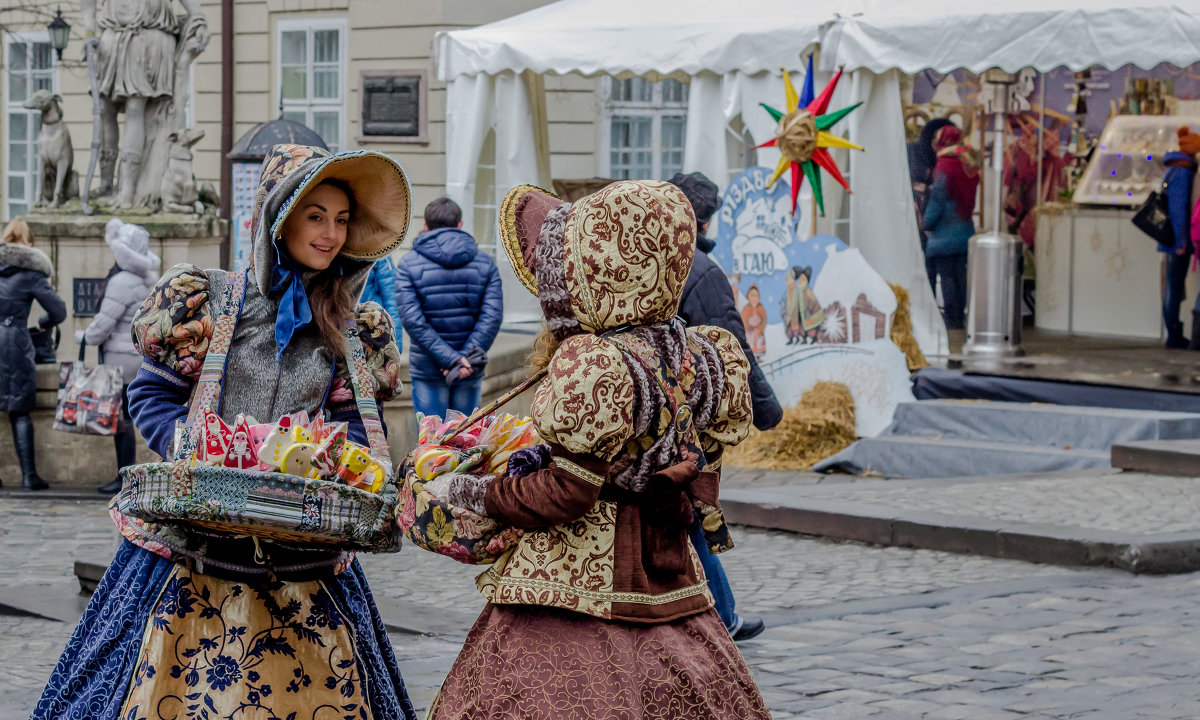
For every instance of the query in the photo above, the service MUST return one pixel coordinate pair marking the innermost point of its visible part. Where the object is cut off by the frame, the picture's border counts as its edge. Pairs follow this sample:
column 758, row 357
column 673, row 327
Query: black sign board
column 87, row 293
column 392, row 105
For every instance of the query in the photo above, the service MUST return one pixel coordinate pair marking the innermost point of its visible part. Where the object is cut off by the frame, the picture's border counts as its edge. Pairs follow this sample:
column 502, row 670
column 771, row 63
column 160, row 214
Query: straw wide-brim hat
column 382, row 200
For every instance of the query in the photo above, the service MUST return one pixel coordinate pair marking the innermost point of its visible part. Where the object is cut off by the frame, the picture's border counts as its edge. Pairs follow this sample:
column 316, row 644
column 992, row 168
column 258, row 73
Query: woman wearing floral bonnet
column 187, row 619
column 601, row 610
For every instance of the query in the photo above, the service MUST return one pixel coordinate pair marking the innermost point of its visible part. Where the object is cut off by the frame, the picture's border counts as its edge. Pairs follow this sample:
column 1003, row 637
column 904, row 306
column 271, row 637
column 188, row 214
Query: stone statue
column 57, row 181
column 142, row 55
column 179, row 193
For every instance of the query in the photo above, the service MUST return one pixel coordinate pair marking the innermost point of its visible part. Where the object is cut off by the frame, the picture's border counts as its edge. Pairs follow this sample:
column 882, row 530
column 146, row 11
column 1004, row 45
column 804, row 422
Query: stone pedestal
column 75, row 244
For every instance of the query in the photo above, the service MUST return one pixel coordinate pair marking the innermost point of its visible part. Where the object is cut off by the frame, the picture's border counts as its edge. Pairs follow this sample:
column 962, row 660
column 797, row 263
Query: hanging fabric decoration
column 802, row 136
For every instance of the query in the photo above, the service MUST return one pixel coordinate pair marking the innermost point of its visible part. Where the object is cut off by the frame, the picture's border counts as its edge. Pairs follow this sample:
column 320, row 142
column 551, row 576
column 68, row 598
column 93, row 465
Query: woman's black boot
column 126, row 445
column 22, row 432
column 1195, row 343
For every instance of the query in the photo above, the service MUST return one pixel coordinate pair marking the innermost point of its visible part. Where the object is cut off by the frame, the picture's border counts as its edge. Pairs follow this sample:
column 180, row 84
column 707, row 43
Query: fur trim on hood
column 25, row 258
column 130, row 245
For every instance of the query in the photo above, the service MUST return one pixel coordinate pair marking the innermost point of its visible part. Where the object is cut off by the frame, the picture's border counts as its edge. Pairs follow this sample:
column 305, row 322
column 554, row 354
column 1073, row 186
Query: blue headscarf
column 294, row 311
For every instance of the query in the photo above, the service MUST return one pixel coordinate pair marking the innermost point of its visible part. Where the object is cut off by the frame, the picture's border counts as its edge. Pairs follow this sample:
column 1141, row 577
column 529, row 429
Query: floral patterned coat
column 174, row 326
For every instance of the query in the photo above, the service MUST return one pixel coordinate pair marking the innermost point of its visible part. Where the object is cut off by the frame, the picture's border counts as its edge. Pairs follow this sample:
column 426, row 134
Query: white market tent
column 733, row 53
column 915, row 35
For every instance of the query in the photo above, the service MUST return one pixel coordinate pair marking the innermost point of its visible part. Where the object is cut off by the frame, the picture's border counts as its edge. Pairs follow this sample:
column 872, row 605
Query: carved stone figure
column 141, row 55
column 179, row 192
column 58, row 181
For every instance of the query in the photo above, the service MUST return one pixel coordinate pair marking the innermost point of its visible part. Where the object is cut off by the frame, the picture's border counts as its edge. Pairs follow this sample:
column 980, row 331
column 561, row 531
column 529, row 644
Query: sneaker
column 747, row 629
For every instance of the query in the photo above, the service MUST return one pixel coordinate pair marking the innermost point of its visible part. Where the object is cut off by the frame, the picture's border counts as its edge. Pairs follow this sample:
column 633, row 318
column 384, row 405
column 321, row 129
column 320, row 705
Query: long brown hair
column 330, row 294
column 543, row 350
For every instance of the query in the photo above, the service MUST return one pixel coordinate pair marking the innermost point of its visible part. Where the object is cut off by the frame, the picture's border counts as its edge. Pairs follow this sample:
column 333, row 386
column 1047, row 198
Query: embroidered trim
column 509, row 237
column 580, row 472
column 604, row 595
column 327, row 161
column 164, row 374
column 588, row 298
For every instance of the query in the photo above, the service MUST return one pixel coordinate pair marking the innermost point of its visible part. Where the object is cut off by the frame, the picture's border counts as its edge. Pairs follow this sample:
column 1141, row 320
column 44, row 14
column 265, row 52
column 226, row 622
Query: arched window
column 739, row 148
column 485, row 230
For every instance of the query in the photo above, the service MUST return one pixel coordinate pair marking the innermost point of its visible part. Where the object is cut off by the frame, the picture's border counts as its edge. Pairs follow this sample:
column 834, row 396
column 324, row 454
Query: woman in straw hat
column 601, row 610
column 190, row 623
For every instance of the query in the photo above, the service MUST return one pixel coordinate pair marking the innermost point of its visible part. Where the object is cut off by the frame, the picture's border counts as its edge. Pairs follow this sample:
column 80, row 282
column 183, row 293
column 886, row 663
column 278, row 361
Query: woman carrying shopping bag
column 174, row 625
column 129, row 282
column 24, row 277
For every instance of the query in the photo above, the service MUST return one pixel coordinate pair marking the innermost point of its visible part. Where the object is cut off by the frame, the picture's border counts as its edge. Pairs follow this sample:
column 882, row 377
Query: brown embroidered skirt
column 525, row 661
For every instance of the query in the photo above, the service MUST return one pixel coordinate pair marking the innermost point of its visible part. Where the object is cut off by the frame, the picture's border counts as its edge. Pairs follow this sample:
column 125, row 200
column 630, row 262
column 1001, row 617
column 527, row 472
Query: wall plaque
column 393, row 106
column 86, row 294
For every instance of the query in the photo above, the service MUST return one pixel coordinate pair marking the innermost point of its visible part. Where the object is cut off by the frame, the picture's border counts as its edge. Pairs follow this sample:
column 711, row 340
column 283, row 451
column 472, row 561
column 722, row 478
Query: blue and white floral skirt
column 160, row 641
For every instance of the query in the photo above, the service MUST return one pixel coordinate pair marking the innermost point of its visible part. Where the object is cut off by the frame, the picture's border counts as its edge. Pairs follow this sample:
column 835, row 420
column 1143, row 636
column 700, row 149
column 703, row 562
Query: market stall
column 1096, row 273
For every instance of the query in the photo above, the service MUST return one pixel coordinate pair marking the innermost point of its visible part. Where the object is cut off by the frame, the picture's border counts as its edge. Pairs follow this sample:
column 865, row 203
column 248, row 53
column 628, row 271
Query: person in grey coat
column 129, row 283
column 24, row 277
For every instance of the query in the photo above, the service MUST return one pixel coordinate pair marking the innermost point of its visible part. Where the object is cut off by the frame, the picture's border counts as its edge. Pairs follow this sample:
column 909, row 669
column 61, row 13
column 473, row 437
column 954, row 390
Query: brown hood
column 625, row 251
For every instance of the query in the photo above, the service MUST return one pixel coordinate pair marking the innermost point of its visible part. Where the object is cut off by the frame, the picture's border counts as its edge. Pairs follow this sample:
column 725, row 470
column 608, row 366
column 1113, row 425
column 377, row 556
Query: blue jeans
column 718, row 584
column 953, row 271
column 1177, row 268
column 435, row 397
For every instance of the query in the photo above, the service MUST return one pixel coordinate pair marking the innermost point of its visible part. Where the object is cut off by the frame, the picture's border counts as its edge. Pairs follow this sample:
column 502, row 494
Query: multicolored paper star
column 802, row 136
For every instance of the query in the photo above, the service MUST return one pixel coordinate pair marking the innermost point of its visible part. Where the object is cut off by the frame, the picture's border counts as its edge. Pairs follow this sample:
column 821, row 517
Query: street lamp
column 60, row 33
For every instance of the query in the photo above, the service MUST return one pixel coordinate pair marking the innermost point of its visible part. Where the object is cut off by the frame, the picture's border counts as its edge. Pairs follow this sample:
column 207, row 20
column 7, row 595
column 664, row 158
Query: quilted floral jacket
column 602, row 537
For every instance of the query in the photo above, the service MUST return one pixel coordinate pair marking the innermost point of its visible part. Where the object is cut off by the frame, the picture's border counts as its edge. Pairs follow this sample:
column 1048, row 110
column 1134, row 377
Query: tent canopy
column 916, row 35
column 636, row 37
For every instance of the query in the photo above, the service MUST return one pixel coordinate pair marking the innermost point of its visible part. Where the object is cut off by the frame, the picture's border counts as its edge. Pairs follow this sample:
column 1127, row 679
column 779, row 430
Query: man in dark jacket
column 708, row 300
column 1179, row 182
column 451, row 305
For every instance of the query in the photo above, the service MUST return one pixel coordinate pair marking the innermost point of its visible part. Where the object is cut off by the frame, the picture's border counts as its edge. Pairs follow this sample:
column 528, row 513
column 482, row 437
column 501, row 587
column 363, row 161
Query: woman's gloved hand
column 462, row 490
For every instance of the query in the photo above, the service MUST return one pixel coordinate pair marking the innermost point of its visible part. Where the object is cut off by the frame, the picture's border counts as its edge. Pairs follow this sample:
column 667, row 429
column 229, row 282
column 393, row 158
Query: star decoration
column 802, row 136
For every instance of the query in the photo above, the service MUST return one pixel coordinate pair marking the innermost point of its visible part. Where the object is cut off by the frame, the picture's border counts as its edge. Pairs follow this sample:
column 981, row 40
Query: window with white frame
column 311, row 57
column 644, row 126
column 29, row 67
column 486, row 229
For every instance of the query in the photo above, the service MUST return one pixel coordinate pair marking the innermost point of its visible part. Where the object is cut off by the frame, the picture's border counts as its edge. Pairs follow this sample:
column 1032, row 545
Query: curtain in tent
column 503, row 104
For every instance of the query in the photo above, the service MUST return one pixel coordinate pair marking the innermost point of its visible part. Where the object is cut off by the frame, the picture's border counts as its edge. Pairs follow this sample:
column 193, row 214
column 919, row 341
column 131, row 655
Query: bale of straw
column 820, row 426
column 902, row 333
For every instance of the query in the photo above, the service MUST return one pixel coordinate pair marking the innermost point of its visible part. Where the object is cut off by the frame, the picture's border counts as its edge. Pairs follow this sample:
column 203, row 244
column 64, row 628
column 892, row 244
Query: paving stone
column 846, row 629
column 939, row 679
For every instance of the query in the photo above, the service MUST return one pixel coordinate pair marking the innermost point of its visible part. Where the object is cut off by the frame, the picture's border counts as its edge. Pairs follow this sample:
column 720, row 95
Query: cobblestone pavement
column 1125, row 502
column 855, row 631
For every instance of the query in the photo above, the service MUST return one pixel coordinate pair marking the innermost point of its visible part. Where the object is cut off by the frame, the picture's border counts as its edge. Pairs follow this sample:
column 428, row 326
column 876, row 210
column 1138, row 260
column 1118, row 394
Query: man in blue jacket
column 381, row 288
column 451, row 305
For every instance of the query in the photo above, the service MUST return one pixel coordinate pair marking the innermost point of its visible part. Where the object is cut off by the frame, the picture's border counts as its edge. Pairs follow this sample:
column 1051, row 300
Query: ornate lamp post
column 60, row 33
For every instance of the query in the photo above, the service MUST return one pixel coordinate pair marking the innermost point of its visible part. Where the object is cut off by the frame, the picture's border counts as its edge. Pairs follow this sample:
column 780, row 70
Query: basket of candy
column 471, row 457
column 294, row 480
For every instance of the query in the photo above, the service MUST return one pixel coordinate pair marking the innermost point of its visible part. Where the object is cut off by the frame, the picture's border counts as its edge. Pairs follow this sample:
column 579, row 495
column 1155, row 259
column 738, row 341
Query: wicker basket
column 270, row 505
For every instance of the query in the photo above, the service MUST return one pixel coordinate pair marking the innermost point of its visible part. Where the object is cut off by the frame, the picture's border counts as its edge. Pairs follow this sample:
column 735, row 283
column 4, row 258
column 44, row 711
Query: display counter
column 1097, row 274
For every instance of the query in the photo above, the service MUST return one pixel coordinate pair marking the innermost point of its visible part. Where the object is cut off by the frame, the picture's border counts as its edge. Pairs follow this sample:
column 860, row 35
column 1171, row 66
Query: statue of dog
column 179, row 193
column 59, row 181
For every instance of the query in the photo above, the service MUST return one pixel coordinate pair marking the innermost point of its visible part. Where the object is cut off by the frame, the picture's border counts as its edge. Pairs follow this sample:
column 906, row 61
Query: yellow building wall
column 382, row 35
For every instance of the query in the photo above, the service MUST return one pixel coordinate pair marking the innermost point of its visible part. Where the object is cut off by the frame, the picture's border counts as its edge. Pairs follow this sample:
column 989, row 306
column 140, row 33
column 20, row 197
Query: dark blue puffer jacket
column 1181, row 173
column 450, row 299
